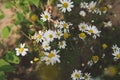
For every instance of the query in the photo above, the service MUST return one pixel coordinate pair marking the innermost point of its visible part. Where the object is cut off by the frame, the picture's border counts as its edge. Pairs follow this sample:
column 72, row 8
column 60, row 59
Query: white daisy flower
column 62, row 44
column 87, row 76
column 51, row 58
column 116, row 55
column 90, row 63
column 92, row 6
column 45, row 45
column 84, row 5
column 39, row 36
column 97, row 11
column 82, row 26
column 107, row 24
column 115, row 48
column 45, row 16
column 82, row 13
column 21, row 51
column 93, row 30
column 49, row 35
column 59, row 33
column 65, row 5
column 76, row 75
column 58, row 24
column 65, row 25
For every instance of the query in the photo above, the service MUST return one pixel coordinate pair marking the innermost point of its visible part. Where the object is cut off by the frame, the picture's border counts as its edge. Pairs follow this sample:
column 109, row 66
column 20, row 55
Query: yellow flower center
column 112, row 70
column 65, row 25
column 115, row 49
column 35, row 59
column 65, row 4
column 61, row 43
column 34, row 17
column 118, row 55
column 46, row 16
column 86, row 77
column 93, row 8
column 66, row 35
column 40, row 36
column 95, row 58
column 21, row 50
column 82, row 35
column 51, row 55
column 83, row 27
column 46, row 46
column 104, row 46
column 58, row 33
column 50, row 36
column 90, row 31
column 76, row 75
column 104, row 9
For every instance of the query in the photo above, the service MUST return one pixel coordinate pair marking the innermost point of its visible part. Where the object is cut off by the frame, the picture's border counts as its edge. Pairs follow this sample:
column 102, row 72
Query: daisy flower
column 82, row 26
column 107, row 24
column 84, row 5
column 91, row 6
column 45, row 16
column 115, row 48
column 76, row 75
column 82, row 36
column 57, row 24
column 51, row 57
column 95, row 59
column 87, row 76
column 59, row 34
column 65, row 5
column 93, row 30
column 62, row 44
column 21, row 51
column 82, row 13
column 39, row 36
column 45, row 45
column 116, row 55
column 49, row 35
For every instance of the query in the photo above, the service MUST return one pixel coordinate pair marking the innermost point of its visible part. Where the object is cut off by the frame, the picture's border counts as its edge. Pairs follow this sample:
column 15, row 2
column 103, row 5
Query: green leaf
column 6, row 31
column 5, row 66
column 2, row 75
column 35, row 2
column 12, row 58
column 8, row 5
column 20, row 18
column 41, row 22
column 2, row 14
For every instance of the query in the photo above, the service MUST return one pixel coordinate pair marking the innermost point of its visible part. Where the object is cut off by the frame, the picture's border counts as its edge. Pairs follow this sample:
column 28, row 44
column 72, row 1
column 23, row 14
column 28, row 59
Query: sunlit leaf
column 2, row 14
column 12, row 58
column 6, row 31
column 5, row 66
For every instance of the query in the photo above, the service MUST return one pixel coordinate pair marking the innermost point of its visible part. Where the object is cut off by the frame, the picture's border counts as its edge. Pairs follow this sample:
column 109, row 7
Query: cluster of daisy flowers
column 78, row 75
column 116, row 52
column 88, row 29
column 47, row 37
column 60, row 32
column 92, row 8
